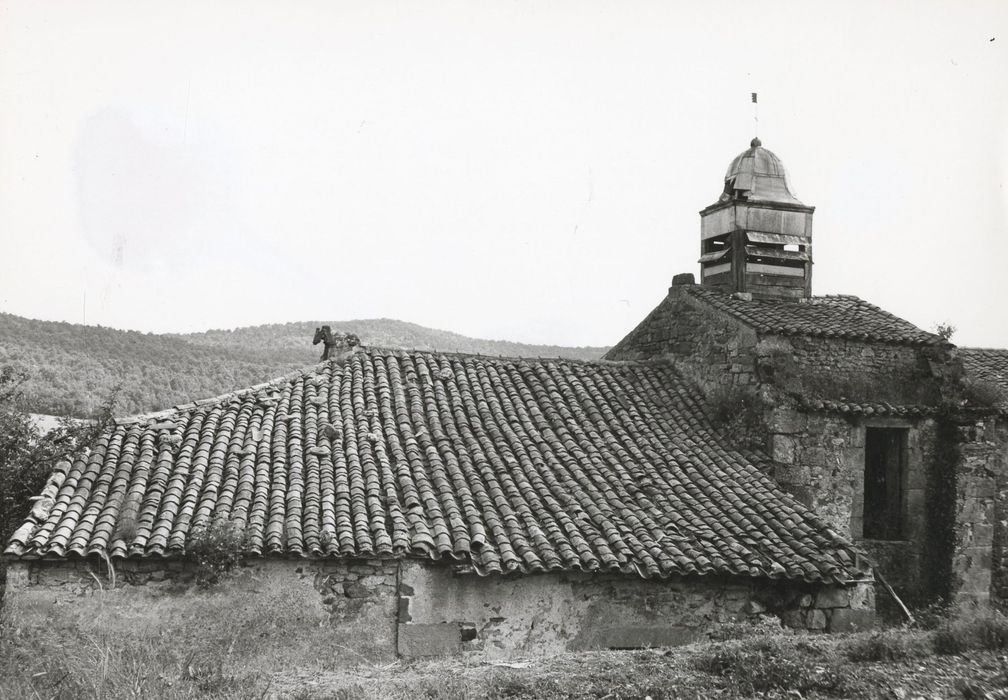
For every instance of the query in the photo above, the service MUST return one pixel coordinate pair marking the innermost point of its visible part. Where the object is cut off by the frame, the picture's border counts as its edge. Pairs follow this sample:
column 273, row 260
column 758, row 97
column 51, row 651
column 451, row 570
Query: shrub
column 777, row 365
column 738, row 413
column 932, row 616
column 216, row 549
column 888, row 645
column 981, row 394
column 760, row 626
column 768, row 665
column 976, row 628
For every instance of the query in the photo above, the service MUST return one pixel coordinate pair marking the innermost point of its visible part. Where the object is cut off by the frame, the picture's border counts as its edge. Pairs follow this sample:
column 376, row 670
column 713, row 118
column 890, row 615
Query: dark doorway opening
column 885, row 467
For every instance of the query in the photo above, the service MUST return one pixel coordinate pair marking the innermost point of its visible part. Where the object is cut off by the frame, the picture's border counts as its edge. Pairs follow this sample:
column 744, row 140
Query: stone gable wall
column 709, row 346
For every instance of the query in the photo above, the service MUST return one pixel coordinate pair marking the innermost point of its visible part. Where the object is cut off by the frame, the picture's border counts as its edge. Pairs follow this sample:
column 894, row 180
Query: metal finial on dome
column 755, row 143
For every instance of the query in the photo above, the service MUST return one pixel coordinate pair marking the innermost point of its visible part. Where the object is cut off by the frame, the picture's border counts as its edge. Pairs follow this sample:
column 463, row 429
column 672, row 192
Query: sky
column 530, row 171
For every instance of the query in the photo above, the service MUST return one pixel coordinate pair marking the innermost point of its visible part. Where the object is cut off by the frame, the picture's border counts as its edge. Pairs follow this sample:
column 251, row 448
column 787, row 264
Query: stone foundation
column 343, row 612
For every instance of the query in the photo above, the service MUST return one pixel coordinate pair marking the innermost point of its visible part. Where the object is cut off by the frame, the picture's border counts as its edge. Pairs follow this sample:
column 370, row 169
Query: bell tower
column 757, row 238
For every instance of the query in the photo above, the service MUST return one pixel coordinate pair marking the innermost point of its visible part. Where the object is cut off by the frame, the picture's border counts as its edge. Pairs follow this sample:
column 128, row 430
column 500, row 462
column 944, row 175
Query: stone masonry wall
column 847, row 370
column 980, row 511
column 497, row 617
column 329, row 614
column 999, row 538
column 820, row 460
column 710, row 347
column 853, row 357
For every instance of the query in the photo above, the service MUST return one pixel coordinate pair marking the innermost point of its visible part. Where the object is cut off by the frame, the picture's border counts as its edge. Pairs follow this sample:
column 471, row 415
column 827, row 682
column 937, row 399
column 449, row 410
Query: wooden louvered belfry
column 757, row 238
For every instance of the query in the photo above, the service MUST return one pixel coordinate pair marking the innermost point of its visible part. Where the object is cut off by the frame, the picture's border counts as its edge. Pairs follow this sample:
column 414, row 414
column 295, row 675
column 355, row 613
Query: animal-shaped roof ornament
column 335, row 343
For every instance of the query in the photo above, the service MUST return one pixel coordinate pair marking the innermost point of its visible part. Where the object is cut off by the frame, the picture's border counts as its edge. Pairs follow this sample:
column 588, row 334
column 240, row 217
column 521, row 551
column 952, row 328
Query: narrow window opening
column 885, row 466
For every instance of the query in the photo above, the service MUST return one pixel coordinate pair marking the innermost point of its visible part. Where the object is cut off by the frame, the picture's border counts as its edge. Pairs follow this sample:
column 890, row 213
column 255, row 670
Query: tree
column 28, row 454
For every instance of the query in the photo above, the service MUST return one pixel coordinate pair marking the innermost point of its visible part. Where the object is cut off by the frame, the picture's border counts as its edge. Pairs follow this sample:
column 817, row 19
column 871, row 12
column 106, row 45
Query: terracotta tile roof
column 857, row 408
column 987, row 365
column 838, row 316
column 511, row 465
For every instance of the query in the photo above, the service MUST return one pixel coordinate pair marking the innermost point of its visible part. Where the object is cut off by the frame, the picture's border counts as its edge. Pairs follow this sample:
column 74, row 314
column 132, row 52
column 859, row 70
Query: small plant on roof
column 945, row 331
column 216, row 549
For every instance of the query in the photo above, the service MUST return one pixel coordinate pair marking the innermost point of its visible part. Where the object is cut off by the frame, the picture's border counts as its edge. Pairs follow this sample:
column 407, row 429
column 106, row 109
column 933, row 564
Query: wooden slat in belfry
column 716, row 269
column 762, row 268
column 778, row 253
column 755, row 282
column 716, row 255
column 778, row 238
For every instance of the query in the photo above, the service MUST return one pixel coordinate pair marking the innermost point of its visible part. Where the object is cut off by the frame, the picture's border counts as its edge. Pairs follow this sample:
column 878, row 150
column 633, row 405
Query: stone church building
column 748, row 450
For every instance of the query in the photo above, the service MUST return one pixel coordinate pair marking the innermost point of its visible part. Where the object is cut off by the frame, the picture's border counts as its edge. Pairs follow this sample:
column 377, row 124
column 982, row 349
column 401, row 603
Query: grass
column 46, row 657
column 139, row 641
column 41, row 664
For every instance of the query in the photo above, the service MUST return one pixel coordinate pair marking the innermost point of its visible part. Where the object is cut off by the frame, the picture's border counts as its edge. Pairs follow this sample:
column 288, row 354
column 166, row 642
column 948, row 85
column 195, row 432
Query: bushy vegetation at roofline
column 737, row 411
column 216, row 549
column 72, row 368
column 27, row 454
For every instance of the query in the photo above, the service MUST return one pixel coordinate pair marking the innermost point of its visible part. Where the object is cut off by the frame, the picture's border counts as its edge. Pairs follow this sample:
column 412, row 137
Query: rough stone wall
column 273, row 611
column 329, row 614
column 980, row 511
column 999, row 538
column 873, row 362
column 820, row 460
column 497, row 617
column 710, row 347
column 852, row 371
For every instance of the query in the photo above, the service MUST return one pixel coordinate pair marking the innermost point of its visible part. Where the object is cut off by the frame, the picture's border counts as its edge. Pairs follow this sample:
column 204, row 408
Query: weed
column 945, row 331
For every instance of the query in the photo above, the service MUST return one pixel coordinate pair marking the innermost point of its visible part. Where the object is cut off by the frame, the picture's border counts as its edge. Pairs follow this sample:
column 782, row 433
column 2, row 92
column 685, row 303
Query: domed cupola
column 757, row 237
column 758, row 175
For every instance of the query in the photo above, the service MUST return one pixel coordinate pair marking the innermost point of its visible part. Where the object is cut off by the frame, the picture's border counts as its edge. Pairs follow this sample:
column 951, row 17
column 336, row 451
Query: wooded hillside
column 73, row 368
